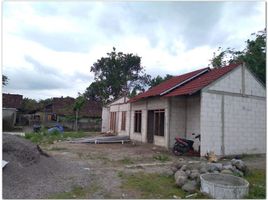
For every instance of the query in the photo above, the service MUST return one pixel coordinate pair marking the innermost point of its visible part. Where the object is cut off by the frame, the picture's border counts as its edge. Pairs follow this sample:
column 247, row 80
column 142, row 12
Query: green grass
column 152, row 186
column 126, row 161
column 161, row 157
column 44, row 137
column 76, row 193
column 257, row 188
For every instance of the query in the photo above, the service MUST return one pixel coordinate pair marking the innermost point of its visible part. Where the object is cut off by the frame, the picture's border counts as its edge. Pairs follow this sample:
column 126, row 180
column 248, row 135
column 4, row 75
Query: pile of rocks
column 187, row 174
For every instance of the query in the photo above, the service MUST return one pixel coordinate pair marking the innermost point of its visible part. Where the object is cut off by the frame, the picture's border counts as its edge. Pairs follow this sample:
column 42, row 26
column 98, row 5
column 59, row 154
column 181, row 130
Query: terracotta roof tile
column 202, row 81
column 162, row 87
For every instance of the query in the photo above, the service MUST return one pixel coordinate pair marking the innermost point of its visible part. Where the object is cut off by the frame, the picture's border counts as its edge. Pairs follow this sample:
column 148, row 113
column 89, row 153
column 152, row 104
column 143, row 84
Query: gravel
column 32, row 174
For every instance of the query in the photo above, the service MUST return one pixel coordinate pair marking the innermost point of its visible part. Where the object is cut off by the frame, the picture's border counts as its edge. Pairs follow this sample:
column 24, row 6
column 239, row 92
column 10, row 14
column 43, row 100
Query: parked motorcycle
column 183, row 146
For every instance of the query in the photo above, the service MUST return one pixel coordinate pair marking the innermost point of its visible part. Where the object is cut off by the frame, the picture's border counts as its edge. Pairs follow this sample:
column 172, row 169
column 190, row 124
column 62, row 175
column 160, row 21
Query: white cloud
column 170, row 37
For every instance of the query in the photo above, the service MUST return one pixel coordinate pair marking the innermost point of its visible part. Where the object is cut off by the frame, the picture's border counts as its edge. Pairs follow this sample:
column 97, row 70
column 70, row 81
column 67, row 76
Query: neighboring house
column 61, row 110
column 226, row 106
column 11, row 104
column 115, row 116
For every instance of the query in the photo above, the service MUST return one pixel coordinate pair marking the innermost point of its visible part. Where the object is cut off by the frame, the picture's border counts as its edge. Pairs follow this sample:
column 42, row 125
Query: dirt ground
column 104, row 162
column 96, row 171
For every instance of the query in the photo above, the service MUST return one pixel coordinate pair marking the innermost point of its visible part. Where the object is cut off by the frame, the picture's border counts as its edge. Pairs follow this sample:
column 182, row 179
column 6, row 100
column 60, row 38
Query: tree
column 254, row 55
column 78, row 104
column 157, row 80
column 116, row 75
column 4, row 80
column 29, row 105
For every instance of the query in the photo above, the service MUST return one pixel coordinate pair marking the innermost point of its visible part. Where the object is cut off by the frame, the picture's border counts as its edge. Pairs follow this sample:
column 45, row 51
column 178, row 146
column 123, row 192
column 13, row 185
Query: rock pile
column 187, row 174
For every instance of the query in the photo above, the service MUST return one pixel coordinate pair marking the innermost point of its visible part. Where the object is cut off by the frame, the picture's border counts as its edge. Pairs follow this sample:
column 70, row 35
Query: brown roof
column 12, row 100
column 186, row 84
column 64, row 106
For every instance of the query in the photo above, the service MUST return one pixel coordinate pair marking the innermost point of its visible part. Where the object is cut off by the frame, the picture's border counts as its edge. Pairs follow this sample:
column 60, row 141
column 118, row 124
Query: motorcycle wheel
column 180, row 150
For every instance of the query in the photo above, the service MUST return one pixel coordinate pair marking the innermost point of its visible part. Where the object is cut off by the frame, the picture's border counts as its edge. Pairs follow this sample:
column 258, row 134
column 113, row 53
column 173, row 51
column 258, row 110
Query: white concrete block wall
column 210, row 123
column 193, row 119
column 230, row 83
column 177, row 119
column 105, row 124
column 252, row 86
column 245, row 129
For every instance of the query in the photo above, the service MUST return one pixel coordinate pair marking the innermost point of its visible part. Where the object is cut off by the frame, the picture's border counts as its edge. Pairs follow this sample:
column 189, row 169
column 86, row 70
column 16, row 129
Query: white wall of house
column 233, row 116
column 105, row 119
column 144, row 106
column 177, row 119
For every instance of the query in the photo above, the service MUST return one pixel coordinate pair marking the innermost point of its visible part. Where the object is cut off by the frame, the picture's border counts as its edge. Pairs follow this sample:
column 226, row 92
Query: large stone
column 183, row 168
column 239, row 164
column 214, row 167
column 203, row 170
column 238, row 172
column 180, row 178
column 188, row 172
column 194, row 174
column 228, row 166
column 190, row 186
column 226, row 171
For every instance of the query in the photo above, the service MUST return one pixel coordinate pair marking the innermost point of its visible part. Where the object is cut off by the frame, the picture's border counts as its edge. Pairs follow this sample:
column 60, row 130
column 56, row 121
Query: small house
column 226, row 106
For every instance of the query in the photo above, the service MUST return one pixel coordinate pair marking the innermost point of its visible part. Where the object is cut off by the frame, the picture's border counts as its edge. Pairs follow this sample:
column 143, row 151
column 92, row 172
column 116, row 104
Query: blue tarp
column 58, row 128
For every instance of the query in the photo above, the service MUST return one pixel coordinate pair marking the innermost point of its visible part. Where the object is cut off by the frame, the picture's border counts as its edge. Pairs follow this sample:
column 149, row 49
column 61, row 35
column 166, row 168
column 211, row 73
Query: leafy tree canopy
column 254, row 55
column 157, row 80
column 4, row 80
column 116, row 75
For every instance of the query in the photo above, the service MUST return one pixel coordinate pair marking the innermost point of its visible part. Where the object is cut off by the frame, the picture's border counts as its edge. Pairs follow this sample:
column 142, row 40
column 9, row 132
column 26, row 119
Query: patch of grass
column 76, row 193
column 57, row 149
column 151, row 185
column 257, row 187
column 43, row 137
column 126, row 161
column 161, row 157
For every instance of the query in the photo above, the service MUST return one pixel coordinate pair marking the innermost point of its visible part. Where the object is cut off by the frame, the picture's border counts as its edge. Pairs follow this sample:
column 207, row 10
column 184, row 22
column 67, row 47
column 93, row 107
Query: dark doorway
column 155, row 124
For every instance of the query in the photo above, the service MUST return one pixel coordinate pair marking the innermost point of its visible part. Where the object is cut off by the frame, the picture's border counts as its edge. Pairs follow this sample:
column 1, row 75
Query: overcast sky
column 48, row 47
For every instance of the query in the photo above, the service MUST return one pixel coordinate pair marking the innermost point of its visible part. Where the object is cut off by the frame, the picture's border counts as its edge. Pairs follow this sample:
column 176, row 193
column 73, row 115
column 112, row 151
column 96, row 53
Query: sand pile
column 31, row 173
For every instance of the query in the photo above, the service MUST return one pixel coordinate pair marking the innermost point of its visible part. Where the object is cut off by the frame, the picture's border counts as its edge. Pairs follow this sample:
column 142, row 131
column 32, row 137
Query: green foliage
column 4, row 80
column 257, row 187
column 126, row 161
column 116, row 75
column 29, row 105
column 44, row 137
column 79, row 102
column 161, row 157
column 76, row 193
column 157, row 80
column 254, row 55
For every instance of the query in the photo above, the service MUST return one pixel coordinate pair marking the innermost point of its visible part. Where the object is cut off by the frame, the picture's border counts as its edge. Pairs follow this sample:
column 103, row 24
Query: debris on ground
column 57, row 128
column 102, row 140
column 211, row 157
column 187, row 174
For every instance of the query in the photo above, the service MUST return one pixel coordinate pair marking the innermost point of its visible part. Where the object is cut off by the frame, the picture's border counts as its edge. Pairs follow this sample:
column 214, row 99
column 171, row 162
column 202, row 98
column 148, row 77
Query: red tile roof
column 168, row 84
column 202, row 81
column 187, row 83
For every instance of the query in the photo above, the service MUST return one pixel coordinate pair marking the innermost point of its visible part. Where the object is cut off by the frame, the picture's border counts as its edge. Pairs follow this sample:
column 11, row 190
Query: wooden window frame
column 112, row 121
column 137, row 121
column 123, row 120
column 159, row 129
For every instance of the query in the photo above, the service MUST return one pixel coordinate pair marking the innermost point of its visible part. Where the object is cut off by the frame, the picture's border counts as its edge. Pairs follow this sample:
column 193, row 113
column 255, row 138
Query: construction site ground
column 131, row 170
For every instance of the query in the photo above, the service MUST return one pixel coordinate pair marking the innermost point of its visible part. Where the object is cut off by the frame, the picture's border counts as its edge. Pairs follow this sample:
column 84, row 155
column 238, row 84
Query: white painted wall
column 242, row 124
column 193, row 119
column 229, row 83
column 253, row 87
column 105, row 119
column 177, row 119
